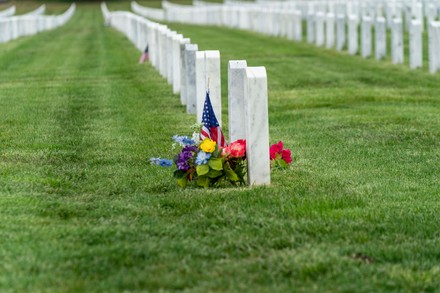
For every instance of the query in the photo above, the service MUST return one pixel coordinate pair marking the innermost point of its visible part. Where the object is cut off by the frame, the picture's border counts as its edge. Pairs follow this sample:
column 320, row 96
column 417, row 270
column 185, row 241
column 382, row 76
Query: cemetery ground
column 81, row 210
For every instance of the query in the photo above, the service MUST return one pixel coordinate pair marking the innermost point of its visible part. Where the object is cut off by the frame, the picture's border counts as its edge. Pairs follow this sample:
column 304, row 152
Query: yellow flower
column 208, row 145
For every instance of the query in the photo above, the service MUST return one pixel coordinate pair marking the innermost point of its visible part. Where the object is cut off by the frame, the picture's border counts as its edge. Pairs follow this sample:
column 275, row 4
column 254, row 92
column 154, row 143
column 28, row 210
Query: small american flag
column 144, row 56
column 211, row 129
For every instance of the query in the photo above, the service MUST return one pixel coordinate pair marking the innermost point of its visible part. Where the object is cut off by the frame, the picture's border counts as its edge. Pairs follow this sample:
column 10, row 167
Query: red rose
column 238, row 148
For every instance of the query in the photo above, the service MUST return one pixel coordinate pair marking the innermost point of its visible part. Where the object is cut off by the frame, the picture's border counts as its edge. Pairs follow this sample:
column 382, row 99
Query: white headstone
column 330, row 31
column 163, row 51
column 380, row 30
column 397, row 41
column 289, row 22
column 191, row 94
column 201, row 83
column 310, row 27
column 177, row 61
column 177, row 39
column 236, row 111
column 434, row 46
column 213, row 74
column 319, row 26
column 183, row 71
column 297, row 28
column 340, row 32
column 415, row 44
column 366, row 37
column 257, row 126
column 417, row 12
column 208, row 70
column 431, row 13
column 169, row 39
column 353, row 35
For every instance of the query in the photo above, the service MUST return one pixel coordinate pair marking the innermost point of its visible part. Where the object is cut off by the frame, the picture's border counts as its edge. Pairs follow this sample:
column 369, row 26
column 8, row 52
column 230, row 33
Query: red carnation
column 277, row 153
column 276, row 149
column 287, row 156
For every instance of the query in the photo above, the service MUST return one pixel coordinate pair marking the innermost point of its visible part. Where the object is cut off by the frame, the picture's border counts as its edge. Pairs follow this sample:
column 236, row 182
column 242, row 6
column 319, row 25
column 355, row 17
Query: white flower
column 196, row 138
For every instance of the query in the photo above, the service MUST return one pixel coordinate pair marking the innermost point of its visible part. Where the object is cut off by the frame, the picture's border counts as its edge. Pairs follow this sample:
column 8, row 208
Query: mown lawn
column 82, row 211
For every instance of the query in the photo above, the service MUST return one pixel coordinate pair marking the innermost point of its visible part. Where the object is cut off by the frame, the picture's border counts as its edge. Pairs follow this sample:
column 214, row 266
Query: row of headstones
column 153, row 13
column 11, row 11
column 276, row 21
column 30, row 24
column 189, row 71
column 245, row 16
column 324, row 29
column 8, row 12
column 409, row 9
column 321, row 31
column 251, row 17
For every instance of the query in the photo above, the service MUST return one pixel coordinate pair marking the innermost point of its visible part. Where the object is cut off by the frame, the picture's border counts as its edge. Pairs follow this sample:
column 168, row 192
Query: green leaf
column 182, row 182
column 203, row 181
column 214, row 173
column 216, row 164
column 179, row 174
column 282, row 163
column 230, row 173
column 202, row 170
column 240, row 170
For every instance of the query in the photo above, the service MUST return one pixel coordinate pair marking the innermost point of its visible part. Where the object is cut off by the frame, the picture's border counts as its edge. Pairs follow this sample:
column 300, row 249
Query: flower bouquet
column 205, row 163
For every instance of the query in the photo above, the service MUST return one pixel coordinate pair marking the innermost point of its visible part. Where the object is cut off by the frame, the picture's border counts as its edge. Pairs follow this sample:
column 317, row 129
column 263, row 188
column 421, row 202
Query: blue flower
column 183, row 140
column 202, row 158
column 165, row 163
column 161, row 162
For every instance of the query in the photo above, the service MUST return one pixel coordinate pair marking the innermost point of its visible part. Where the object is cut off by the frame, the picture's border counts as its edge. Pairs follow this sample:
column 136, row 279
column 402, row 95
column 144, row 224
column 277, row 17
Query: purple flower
column 183, row 158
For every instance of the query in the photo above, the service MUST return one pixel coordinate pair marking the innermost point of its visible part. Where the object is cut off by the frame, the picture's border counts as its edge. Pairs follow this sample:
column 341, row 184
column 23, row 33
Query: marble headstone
column 353, row 35
column 297, row 27
column 201, row 83
column 208, row 74
column 177, row 62
column 310, row 27
column 415, row 44
column 163, row 63
column 340, row 32
column 183, row 71
column 380, row 30
column 170, row 57
column 236, row 113
column 319, row 26
column 366, row 42
column 434, row 46
column 191, row 94
column 257, row 126
column 397, row 41
column 330, row 31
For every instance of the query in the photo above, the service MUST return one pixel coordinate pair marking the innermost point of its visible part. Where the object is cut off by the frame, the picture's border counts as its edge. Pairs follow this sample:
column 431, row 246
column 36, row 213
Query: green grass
column 82, row 211
column 25, row 6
